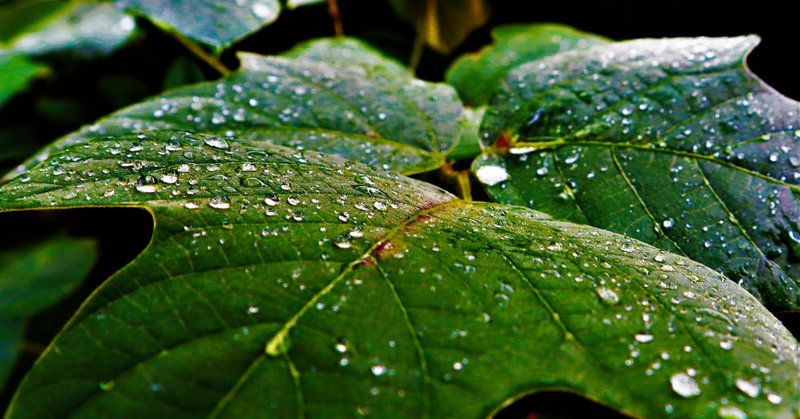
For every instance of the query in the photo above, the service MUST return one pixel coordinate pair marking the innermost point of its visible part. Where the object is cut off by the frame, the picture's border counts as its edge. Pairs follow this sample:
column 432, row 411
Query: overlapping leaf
column 33, row 277
column 281, row 283
column 672, row 142
column 16, row 72
column 368, row 111
column 217, row 23
column 476, row 76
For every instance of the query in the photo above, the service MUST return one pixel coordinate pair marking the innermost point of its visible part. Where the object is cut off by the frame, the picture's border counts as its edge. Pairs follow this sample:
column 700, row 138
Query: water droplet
column 491, row 175
column 627, row 247
column 219, row 202
column 356, row 233
column 146, row 184
column 684, row 385
column 542, row 171
column 643, row 337
column 668, row 223
column 169, row 177
column 731, row 412
column 252, row 310
column 380, row 206
column 726, row 344
column 748, row 387
column 293, row 200
column 272, row 200
column 607, row 295
column 772, row 397
column 344, row 217
column 216, row 142
column 378, row 370
column 191, row 205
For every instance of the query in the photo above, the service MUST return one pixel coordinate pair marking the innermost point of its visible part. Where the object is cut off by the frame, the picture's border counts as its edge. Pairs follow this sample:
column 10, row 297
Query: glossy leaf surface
column 281, row 283
column 673, row 142
column 367, row 111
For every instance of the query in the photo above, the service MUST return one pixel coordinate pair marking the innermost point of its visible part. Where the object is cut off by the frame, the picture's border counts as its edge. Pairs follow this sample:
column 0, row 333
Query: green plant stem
column 200, row 53
column 336, row 16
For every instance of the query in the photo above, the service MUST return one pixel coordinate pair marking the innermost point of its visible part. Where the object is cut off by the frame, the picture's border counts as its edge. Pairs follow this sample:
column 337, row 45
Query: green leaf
column 443, row 24
column 341, row 51
column 469, row 145
column 32, row 278
column 81, row 29
column 475, row 76
column 181, row 72
column 293, row 4
column 281, row 283
column 16, row 73
column 365, row 112
column 672, row 142
column 216, row 23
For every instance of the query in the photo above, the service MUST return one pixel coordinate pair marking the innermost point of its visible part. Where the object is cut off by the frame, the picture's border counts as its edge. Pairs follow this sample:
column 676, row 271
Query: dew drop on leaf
column 684, row 385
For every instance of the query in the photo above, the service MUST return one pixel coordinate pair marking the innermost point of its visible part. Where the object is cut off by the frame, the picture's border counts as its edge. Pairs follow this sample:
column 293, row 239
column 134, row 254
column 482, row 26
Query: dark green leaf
column 281, row 283
column 82, row 29
column 181, row 72
column 469, row 145
column 672, row 142
column 216, row 23
column 443, row 24
column 475, row 76
column 32, row 278
column 364, row 112
column 16, row 72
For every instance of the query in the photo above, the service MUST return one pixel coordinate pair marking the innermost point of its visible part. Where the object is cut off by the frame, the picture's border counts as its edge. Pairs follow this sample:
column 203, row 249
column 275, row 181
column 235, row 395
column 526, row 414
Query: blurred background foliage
column 64, row 64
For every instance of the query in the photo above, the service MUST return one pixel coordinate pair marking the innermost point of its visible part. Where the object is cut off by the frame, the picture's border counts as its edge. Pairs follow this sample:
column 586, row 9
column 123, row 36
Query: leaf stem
column 200, row 53
column 336, row 16
column 462, row 181
column 33, row 348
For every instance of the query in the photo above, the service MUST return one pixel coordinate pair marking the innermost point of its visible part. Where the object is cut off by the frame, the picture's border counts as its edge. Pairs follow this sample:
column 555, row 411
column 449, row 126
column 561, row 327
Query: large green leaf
column 366, row 111
column 16, row 73
column 32, row 278
column 443, row 24
column 477, row 75
column 672, row 142
column 281, row 283
column 217, row 23
column 82, row 29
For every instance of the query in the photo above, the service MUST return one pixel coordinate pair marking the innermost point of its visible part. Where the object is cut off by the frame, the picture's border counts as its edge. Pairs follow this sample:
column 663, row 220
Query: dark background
column 76, row 93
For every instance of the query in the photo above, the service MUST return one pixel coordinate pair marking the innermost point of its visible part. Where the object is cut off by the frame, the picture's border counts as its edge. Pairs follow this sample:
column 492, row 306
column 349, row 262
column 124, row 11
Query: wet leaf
column 672, row 142
column 475, row 76
column 443, row 24
column 16, row 73
column 281, row 283
column 80, row 29
column 216, row 23
column 346, row 51
column 32, row 278
column 366, row 111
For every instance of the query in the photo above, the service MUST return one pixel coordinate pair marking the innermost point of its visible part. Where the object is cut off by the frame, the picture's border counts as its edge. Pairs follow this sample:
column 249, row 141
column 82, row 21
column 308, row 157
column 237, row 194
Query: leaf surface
column 216, row 23
column 16, row 73
column 367, row 111
column 32, row 278
column 281, row 283
column 475, row 76
column 672, row 142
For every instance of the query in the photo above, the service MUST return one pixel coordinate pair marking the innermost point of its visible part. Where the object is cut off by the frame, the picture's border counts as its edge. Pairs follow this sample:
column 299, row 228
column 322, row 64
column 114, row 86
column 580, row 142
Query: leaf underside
column 443, row 24
column 281, row 283
column 672, row 142
column 369, row 110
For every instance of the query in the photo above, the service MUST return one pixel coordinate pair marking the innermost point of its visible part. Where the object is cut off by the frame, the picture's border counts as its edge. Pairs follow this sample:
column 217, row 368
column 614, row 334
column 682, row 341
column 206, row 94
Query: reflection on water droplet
column 491, row 175
column 772, row 397
column 146, row 184
column 216, row 142
column 252, row 310
column 643, row 337
column 607, row 295
column 378, row 370
column 748, row 387
column 731, row 412
column 627, row 247
column 219, row 202
column 684, row 385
